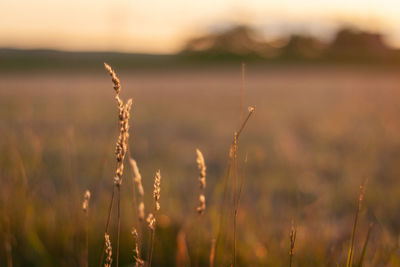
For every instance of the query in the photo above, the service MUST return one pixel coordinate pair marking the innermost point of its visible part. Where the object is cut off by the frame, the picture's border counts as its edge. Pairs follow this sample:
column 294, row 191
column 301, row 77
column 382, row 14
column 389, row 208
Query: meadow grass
column 301, row 173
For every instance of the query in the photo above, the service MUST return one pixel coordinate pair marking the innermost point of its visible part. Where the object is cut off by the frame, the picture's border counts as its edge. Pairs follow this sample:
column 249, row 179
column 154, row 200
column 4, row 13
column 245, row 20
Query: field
column 318, row 132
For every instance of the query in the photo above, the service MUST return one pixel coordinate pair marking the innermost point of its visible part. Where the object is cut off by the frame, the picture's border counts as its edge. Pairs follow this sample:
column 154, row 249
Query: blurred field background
column 327, row 118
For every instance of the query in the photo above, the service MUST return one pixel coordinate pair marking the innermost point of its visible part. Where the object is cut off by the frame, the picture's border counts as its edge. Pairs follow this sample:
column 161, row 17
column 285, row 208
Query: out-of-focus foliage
column 317, row 133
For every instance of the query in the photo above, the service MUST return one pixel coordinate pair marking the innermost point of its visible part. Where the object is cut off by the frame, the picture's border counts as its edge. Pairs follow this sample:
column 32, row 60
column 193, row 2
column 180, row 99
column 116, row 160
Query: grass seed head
column 137, row 176
column 151, row 221
column 136, row 253
column 115, row 79
column 86, row 198
column 108, row 261
column 201, row 165
column 202, row 204
column 157, row 190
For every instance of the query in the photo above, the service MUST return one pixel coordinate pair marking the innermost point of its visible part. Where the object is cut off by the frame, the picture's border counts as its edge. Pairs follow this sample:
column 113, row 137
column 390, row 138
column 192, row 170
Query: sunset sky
column 162, row 26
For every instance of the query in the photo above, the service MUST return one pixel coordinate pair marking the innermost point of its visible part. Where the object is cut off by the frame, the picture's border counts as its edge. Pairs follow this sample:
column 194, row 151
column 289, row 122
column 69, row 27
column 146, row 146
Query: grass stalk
column 119, row 220
column 350, row 255
column 110, row 208
column 227, row 176
column 151, row 219
column 364, row 249
column 242, row 95
column 120, row 152
column 235, row 169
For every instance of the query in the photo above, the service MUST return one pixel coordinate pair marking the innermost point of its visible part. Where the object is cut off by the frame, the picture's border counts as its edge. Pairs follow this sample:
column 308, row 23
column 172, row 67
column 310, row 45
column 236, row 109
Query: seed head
column 114, row 78
column 151, row 221
column 157, row 189
column 108, row 260
column 202, row 204
column 138, row 262
column 201, row 165
column 86, row 198
column 137, row 176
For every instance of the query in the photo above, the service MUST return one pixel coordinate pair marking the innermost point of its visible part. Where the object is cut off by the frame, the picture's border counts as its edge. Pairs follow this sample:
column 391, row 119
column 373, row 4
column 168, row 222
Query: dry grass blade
column 353, row 233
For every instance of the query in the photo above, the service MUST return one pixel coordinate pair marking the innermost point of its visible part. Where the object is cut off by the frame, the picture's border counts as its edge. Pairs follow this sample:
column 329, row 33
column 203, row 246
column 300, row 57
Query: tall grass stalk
column 364, row 249
column 242, row 95
column 151, row 219
column 120, row 152
column 353, row 233
column 227, row 177
column 236, row 207
column 235, row 169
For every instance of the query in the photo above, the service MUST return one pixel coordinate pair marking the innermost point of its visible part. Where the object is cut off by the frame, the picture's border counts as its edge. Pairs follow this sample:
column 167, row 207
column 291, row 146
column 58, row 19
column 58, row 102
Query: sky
column 161, row 26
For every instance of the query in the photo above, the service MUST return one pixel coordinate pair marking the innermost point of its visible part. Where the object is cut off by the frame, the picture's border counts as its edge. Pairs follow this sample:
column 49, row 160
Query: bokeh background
column 323, row 76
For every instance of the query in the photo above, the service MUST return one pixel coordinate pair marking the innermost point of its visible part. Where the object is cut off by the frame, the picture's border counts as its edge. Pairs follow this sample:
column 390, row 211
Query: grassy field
column 317, row 133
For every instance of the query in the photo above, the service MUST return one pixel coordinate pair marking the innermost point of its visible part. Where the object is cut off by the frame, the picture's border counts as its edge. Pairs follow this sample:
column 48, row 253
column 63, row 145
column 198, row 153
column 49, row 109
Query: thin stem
column 364, row 250
column 245, row 122
column 119, row 219
column 221, row 213
column 353, row 233
column 227, row 176
column 151, row 246
column 242, row 95
column 236, row 205
column 87, row 238
column 350, row 255
column 107, row 225
column 235, row 169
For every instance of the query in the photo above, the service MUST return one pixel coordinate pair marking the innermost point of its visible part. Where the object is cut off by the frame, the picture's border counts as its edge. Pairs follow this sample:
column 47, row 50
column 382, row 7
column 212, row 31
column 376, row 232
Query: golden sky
column 160, row 26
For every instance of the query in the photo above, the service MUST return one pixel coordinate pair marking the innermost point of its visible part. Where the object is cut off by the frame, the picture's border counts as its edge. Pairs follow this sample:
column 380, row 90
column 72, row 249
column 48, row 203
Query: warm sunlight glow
column 161, row 26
